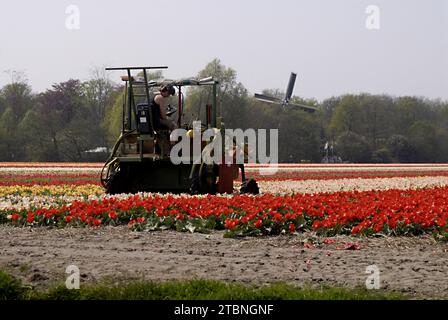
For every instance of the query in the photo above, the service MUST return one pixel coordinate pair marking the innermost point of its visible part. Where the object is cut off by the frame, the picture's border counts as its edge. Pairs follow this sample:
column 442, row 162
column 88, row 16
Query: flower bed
column 397, row 204
column 392, row 212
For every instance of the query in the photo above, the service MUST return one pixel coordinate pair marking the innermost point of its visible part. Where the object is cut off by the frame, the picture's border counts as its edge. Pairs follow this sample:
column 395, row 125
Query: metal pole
column 215, row 107
column 131, row 99
column 179, row 107
column 123, row 108
column 147, row 100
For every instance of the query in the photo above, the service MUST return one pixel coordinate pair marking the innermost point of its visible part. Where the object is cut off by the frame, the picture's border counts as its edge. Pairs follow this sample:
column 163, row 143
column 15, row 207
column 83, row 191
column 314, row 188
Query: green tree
column 353, row 147
column 401, row 149
column 15, row 99
column 100, row 93
column 17, row 95
column 298, row 137
column 113, row 120
column 324, row 115
column 38, row 144
column 347, row 116
column 232, row 96
column 8, row 147
column 423, row 136
column 409, row 110
column 2, row 103
column 60, row 124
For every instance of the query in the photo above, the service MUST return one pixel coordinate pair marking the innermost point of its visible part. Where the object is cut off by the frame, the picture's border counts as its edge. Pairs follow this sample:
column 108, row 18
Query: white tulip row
column 318, row 186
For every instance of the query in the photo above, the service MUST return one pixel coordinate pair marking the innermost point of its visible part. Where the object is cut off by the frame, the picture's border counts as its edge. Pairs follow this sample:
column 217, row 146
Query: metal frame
column 129, row 113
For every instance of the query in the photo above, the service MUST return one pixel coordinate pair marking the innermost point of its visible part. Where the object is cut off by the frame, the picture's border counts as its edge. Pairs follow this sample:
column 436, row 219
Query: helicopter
column 286, row 101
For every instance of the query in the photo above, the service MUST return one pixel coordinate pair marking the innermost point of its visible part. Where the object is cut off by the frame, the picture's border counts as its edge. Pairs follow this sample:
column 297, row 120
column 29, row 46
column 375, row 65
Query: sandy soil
column 39, row 256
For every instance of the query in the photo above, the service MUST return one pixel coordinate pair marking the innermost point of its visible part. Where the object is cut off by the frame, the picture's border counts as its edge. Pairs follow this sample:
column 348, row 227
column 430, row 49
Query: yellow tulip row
column 36, row 190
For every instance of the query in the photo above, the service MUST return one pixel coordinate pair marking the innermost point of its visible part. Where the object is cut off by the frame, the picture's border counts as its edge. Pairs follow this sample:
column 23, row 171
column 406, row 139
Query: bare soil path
column 39, row 256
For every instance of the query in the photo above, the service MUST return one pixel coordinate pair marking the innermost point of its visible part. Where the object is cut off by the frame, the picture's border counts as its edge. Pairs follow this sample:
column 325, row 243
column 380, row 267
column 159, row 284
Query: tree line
column 73, row 120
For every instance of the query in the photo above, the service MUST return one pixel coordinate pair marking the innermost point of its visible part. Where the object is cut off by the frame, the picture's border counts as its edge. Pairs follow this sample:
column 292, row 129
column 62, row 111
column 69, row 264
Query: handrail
column 136, row 68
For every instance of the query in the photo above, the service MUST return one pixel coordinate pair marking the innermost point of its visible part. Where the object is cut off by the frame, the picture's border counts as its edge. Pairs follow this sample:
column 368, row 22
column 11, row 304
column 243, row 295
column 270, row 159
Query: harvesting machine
column 140, row 159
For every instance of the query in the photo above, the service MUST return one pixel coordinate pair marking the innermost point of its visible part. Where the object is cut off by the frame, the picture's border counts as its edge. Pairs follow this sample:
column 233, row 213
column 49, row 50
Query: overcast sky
column 325, row 41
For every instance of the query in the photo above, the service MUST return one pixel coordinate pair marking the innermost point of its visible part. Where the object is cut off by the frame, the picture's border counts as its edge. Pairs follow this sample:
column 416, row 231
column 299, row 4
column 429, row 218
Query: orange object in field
column 227, row 173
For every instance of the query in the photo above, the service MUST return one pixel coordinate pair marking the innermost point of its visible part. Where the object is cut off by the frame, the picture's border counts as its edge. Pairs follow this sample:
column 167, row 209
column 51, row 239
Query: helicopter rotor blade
column 303, row 107
column 206, row 80
column 268, row 99
column 290, row 88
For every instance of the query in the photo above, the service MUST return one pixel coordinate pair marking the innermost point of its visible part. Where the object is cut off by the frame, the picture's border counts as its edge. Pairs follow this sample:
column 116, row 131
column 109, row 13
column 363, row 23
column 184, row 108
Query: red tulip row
column 249, row 165
column 51, row 165
column 392, row 212
column 93, row 178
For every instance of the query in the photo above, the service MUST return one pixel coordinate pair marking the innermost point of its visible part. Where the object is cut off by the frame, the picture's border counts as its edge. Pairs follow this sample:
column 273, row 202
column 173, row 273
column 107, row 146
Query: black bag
column 143, row 119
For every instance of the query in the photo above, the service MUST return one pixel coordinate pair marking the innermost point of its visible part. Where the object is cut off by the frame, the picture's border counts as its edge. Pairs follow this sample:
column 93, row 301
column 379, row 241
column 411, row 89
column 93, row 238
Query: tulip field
column 390, row 200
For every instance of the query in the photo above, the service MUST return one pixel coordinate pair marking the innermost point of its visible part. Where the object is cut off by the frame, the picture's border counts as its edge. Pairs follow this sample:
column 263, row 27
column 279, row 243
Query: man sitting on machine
column 159, row 102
